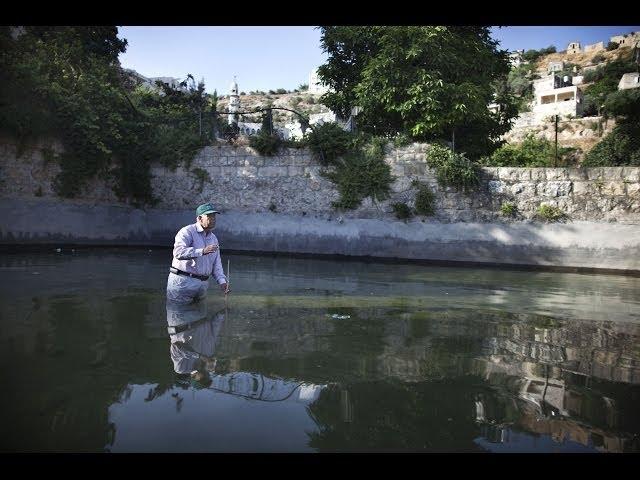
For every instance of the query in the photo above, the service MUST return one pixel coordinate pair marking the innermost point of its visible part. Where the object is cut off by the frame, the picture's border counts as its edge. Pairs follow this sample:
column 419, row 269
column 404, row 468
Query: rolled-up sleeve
column 182, row 249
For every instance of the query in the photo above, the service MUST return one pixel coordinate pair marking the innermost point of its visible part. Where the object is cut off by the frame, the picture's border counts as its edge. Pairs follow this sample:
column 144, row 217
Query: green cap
column 205, row 209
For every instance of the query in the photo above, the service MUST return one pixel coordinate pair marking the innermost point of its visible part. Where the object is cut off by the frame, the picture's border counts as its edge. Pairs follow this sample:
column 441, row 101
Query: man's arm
column 218, row 272
column 182, row 249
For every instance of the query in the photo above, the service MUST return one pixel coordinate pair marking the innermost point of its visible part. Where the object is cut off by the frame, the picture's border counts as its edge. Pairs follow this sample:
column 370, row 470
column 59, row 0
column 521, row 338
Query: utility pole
column 555, row 162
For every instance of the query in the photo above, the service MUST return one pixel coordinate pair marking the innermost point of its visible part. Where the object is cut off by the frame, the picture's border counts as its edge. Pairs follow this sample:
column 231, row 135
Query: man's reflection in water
column 194, row 334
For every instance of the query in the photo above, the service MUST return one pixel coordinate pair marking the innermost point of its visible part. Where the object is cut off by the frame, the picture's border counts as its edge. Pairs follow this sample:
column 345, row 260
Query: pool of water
column 311, row 355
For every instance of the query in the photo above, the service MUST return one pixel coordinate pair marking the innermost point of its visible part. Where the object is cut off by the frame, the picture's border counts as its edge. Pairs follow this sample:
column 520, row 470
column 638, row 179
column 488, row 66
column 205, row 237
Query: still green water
column 315, row 356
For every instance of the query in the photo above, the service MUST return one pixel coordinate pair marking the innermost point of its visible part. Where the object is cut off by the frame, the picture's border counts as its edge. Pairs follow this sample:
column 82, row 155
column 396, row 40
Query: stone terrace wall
column 291, row 183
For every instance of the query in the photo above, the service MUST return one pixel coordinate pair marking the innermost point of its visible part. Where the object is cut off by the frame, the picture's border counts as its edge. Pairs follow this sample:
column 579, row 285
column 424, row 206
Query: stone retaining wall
column 291, row 183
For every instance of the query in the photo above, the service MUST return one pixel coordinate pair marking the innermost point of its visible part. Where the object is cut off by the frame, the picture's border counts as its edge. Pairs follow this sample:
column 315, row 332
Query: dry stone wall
column 291, row 183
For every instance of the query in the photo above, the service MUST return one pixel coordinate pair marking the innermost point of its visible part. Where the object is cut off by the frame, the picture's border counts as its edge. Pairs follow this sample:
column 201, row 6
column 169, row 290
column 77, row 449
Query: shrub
column 620, row 147
column 265, row 144
column 532, row 152
column 202, row 176
column 452, row 169
column 598, row 58
column 401, row 140
column 424, row 199
column 549, row 213
column 612, row 46
column 402, row 211
column 360, row 173
column 330, row 141
column 509, row 209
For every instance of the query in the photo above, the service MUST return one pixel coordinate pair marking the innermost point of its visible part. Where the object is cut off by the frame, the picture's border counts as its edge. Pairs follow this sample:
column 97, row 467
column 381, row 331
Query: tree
column 427, row 82
column 66, row 82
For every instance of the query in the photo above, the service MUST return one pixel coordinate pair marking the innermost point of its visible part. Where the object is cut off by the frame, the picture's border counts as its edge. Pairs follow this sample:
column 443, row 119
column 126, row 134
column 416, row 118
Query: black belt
column 175, row 329
column 204, row 278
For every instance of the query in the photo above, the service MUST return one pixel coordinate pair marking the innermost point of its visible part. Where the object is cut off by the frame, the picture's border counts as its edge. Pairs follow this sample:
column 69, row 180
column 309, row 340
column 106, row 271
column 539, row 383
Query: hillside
column 303, row 102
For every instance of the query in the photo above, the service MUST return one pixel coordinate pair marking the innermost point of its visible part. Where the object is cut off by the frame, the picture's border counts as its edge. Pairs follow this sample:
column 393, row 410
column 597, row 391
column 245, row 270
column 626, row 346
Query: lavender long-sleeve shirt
column 187, row 253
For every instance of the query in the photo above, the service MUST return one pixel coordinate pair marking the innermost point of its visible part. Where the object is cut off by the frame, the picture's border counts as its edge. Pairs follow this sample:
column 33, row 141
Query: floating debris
column 58, row 250
column 339, row 317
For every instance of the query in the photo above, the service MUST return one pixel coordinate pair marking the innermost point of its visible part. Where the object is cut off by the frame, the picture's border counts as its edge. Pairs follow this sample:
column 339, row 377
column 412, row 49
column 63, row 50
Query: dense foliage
column 532, row 152
column 66, row 83
column 604, row 81
column 453, row 169
column 533, row 55
column 622, row 145
column 427, row 82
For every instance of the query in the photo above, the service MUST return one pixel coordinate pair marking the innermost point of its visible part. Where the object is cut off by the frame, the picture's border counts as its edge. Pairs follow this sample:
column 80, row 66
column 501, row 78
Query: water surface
column 315, row 356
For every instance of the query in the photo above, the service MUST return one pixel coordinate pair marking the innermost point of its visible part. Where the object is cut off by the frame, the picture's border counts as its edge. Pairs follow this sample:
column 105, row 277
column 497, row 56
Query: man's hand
column 209, row 249
column 225, row 288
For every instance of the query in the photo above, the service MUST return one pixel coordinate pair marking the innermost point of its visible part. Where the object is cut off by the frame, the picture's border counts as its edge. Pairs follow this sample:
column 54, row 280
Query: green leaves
column 66, row 82
column 421, row 81
column 452, row 169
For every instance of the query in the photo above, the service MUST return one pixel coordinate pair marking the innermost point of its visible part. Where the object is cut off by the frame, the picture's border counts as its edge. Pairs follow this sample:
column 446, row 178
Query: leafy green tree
column 533, row 55
column 66, row 82
column 428, row 82
column 622, row 145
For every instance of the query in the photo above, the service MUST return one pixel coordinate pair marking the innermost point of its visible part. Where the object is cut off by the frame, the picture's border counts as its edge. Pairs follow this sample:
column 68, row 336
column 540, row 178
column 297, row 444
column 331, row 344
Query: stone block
column 584, row 188
column 415, row 169
column 577, row 174
column 228, row 171
column 612, row 173
column 595, row 173
column 248, row 172
column 495, row 186
column 613, row 188
column 272, row 171
column 538, row 175
column 633, row 189
column 631, row 174
column 554, row 189
column 554, row 174
column 295, row 171
column 523, row 188
column 302, row 160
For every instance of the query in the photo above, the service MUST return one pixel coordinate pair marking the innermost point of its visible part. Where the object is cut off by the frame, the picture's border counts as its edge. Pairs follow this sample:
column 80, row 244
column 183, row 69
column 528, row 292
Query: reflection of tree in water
column 430, row 416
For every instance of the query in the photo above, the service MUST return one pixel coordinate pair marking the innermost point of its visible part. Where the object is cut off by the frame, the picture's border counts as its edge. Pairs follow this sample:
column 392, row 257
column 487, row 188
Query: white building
column 556, row 96
column 315, row 86
column 629, row 80
column 150, row 82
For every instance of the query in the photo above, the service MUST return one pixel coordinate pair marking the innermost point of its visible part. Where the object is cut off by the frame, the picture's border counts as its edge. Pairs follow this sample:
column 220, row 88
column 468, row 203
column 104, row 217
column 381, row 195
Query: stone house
column 628, row 40
column 574, row 47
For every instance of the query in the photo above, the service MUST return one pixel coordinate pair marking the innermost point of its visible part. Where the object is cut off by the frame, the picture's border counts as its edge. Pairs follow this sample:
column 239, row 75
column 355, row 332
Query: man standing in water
column 196, row 257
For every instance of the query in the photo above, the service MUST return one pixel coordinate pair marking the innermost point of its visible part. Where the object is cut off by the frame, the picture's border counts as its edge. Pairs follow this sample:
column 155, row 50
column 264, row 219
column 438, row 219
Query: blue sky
column 273, row 57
